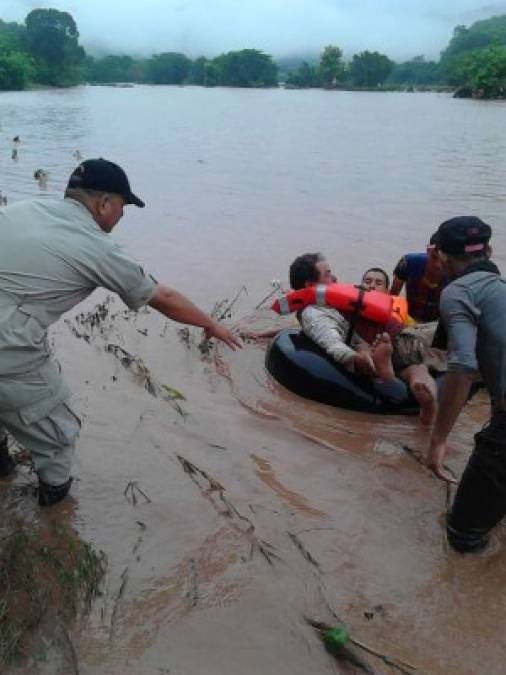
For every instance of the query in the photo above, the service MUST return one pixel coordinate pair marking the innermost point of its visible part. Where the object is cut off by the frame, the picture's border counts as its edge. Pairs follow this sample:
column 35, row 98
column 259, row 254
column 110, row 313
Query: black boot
column 7, row 464
column 52, row 494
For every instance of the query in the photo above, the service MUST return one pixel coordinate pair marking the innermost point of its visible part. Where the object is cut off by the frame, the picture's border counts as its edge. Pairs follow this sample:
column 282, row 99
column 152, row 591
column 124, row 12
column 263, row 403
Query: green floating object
column 174, row 393
column 335, row 639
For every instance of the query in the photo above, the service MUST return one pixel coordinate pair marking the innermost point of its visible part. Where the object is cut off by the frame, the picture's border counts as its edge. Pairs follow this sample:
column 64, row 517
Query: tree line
column 45, row 51
column 474, row 62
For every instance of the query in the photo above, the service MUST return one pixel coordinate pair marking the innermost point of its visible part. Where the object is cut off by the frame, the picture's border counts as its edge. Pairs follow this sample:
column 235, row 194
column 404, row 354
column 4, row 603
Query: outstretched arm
column 177, row 307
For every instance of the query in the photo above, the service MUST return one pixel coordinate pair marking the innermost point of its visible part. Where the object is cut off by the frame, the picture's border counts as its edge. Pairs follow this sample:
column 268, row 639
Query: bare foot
column 425, row 394
column 382, row 357
column 364, row 363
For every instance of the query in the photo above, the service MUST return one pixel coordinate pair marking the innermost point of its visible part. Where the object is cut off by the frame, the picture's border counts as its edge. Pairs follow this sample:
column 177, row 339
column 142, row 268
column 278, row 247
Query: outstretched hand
column 222, row 333
column 435, row 459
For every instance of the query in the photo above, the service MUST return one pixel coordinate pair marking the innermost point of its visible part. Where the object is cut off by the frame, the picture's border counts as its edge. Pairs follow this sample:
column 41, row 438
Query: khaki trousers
column 34, row 410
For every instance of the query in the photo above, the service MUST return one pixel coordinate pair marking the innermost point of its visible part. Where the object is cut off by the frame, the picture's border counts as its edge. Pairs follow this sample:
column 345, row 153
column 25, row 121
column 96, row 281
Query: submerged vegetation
column 46, row 580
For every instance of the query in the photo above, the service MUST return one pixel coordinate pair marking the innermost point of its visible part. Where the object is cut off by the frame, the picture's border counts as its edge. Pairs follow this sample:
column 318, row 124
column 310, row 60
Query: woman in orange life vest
column 381, row 355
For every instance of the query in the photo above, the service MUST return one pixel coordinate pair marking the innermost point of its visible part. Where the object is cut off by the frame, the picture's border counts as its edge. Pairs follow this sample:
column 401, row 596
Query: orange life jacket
column 400, row 310
column 372, row 305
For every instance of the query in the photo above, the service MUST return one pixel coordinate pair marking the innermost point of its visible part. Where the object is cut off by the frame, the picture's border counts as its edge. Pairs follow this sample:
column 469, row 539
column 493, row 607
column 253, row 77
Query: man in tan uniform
column 53, row 254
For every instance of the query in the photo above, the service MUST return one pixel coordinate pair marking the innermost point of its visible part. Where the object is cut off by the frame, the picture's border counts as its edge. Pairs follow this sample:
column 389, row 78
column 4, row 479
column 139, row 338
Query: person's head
column 462, row 241
column 103, row 188
column 433, row 268
column 310, row 269
column 376, row 279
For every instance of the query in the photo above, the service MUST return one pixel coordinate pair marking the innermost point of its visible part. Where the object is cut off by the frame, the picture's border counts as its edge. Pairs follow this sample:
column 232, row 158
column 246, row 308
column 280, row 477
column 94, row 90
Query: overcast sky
column 399, row 28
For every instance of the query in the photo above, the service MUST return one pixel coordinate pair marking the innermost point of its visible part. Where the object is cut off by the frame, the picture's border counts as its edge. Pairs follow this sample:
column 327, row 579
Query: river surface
column 260, row 508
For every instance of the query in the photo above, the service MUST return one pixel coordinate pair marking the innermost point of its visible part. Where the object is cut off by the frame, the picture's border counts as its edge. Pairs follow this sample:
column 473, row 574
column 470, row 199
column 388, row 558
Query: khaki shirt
column 52, row 256
column 329, row 329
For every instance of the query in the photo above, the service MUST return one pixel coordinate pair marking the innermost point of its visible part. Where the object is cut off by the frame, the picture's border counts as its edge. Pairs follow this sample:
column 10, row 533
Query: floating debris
column 131, row 490
column 339, row 643
column 41, row 176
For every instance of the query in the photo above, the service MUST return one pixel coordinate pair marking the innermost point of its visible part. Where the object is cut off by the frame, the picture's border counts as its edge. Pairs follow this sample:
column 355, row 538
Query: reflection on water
column 307, row 509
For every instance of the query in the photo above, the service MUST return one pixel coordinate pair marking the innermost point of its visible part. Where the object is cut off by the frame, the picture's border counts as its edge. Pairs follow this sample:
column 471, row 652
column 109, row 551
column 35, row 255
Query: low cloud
column 281, row 27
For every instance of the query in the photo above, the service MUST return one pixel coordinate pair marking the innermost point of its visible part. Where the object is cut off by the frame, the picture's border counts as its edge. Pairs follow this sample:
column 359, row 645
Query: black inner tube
column 305, row 369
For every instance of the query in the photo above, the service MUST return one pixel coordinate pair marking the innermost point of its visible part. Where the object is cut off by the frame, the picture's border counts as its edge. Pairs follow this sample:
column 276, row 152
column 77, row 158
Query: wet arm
column 177, row 307
column 456, row 387
column 461, row 319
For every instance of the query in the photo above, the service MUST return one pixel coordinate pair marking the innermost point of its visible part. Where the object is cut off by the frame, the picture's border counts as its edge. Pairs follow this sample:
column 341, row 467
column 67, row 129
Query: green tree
column 304, row 77
column 52, row 39
column 416, row 71
column 198, row 71
column 332, row 70
column 16, row 71
column 464, row 41
column 169, row 68
column 246, row 68
column 112, row 68
column 483, row 71
column 211, row 74
column 480, row 34
column 12, row 37
column 369, row 69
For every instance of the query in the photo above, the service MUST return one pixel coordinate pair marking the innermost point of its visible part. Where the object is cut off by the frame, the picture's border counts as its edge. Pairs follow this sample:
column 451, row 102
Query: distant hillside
column 478, row 35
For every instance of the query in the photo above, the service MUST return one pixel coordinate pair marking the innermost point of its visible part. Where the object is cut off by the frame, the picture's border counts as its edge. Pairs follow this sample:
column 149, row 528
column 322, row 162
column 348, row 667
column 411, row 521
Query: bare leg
column 423, row 388
column 382, row 357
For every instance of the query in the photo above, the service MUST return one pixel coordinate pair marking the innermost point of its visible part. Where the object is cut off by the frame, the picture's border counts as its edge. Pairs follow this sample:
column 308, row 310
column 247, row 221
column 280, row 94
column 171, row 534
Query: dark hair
column 304, row 269
column 378, row 269
column 469, row 258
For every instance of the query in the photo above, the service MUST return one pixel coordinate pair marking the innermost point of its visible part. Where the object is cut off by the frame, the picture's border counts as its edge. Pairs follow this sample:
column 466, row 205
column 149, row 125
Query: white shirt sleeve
column 328, row 328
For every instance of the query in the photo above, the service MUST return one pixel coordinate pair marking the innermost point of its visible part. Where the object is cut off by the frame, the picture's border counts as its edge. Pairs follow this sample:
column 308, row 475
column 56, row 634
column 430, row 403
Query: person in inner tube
column 316, row 261
column 372, row 351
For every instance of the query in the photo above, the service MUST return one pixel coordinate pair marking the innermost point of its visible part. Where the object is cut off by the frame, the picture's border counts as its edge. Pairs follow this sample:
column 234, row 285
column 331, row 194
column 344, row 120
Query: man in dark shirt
column 424, row 278
column 473, row 311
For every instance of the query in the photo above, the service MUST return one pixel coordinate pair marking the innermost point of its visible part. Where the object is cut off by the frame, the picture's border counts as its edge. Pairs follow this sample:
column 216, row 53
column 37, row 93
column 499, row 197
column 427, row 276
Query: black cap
column 433, row 240
column 100, row 174
column 463, row 234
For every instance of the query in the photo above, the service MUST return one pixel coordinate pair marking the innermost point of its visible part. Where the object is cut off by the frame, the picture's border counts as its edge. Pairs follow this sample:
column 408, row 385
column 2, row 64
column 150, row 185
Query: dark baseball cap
column 463, row 234
column 100, row 174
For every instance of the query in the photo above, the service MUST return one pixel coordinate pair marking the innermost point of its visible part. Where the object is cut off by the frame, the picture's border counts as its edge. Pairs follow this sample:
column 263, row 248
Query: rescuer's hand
column 220, row 332
column 435, row 459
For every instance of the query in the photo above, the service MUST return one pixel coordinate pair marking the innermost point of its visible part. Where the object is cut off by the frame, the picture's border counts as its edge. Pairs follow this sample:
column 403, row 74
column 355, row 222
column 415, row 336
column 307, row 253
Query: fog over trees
column 45, row 50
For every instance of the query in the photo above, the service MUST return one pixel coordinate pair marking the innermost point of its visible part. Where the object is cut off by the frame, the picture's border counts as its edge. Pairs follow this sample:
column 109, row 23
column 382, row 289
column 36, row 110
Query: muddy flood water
column 230, row 517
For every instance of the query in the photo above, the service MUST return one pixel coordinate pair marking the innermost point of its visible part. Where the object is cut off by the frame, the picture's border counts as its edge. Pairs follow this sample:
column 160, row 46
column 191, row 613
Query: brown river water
column 260, row 508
